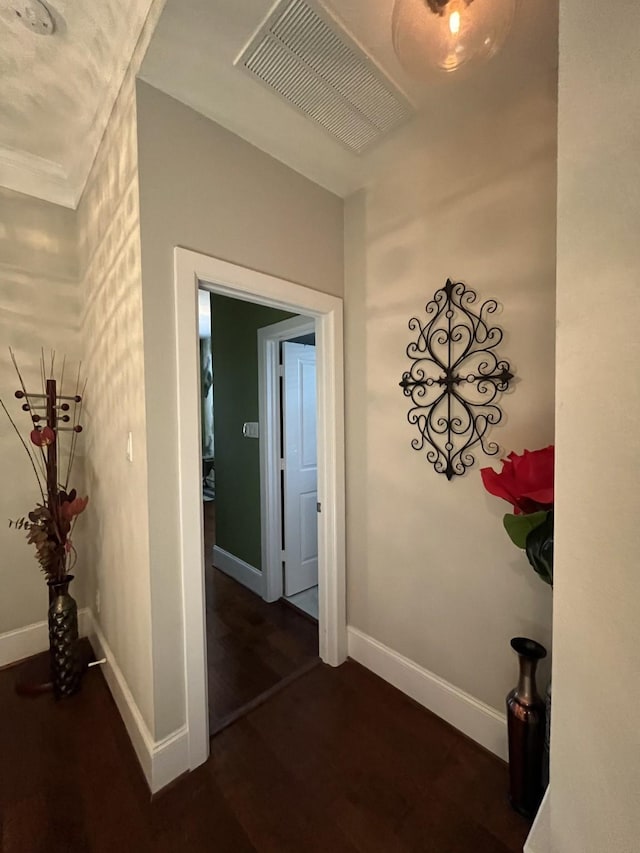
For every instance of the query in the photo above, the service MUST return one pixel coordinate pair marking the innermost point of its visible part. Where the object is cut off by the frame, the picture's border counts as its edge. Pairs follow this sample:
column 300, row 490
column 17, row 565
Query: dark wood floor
column 252, row 647
column 336, row 761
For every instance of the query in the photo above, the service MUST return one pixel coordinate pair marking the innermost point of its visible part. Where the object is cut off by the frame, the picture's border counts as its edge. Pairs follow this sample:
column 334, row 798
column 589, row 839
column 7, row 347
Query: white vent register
column 307, row 59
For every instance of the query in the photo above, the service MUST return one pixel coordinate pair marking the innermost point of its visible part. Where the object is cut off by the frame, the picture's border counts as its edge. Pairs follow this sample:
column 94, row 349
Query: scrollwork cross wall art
column 455, row 379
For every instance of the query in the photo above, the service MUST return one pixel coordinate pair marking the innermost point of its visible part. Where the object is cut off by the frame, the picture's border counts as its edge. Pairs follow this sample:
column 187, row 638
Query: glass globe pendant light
column 435, row 36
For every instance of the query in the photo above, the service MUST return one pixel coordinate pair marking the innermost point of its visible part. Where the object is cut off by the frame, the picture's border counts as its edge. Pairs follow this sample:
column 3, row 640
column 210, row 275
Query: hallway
column 337, row 761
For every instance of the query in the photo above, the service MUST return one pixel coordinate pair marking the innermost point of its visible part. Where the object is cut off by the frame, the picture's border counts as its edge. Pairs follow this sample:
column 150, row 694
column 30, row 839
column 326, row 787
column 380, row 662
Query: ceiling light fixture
column 35, row 16
column 433, row 36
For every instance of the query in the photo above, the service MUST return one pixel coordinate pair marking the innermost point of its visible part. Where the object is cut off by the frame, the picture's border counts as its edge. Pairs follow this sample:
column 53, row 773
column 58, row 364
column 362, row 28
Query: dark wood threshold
column 219, row 725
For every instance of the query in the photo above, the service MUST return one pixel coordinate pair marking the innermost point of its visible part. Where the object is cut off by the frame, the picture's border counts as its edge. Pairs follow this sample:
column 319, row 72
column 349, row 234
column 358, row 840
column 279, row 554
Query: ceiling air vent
column 304, row 57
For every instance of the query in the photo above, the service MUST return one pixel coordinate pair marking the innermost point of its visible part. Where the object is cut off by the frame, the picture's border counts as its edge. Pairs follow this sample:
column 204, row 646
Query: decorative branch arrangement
column 50, row 525
column 455, row 379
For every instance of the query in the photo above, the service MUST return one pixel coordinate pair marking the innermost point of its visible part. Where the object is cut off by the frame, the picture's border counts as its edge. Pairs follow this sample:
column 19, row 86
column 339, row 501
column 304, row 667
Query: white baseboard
column 238, row 570
column 478, row 721
column 33, row 639
column 539, row 838
column 161, row 761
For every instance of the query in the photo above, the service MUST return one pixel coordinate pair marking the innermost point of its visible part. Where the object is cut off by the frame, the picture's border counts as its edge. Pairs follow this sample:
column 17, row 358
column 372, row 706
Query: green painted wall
column 234, row 327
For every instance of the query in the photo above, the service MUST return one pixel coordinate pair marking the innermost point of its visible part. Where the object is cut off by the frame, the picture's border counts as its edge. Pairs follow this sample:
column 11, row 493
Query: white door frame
column 269, row 340
column 193, row 270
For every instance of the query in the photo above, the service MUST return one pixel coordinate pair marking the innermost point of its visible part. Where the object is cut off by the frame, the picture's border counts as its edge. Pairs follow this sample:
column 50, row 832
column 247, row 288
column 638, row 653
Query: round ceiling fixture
column 436, row 36
column 34, row 15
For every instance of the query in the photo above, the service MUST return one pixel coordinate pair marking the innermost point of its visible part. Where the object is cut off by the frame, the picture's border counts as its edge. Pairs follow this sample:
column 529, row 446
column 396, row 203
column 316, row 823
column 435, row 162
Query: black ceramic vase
column 526, row 718
column 63, row 639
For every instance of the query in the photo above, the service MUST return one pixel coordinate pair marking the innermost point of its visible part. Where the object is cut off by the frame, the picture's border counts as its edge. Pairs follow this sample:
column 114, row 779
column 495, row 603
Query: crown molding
column 64, row 184
column 36, row 176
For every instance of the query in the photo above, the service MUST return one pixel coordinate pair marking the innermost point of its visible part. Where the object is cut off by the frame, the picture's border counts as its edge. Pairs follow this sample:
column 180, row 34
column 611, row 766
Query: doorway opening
column 195, row 271
column 260, row 636
column 288, row 462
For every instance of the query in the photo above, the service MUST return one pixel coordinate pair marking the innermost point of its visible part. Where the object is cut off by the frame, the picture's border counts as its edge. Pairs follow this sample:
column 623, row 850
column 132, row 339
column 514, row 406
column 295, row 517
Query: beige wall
column 117, row 516
column 595, row 773
column 205, row 189
column 40, row 304
column 469, row 193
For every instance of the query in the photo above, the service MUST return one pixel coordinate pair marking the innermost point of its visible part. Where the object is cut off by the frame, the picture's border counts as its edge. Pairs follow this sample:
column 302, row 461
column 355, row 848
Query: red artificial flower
column 43, row 437
column 526, row 480
column 69, row 509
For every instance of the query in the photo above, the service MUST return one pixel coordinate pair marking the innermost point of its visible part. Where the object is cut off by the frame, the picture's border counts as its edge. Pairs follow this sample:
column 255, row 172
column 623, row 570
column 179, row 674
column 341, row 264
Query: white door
column 300, row 468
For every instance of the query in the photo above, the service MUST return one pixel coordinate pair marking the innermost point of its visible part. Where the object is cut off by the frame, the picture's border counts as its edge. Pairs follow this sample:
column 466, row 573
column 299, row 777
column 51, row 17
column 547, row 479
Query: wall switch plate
column 130, row 446
column 251, row 430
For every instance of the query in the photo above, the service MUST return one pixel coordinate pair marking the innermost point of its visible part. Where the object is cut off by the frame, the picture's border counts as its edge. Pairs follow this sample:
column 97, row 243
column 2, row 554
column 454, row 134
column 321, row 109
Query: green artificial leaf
column 539, row 548
column 520, row 526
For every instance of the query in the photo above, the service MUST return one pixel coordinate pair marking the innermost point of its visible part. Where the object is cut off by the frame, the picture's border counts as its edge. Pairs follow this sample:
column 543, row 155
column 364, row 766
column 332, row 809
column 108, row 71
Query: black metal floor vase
column 455, row 379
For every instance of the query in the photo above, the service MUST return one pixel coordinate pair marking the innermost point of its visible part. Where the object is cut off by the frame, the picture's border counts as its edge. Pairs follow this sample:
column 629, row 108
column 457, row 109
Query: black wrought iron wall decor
column 455, row 378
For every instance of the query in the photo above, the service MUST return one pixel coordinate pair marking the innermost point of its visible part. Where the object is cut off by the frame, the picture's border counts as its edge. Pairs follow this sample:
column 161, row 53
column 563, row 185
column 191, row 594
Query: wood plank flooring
column 252, row 647
column 337, row 761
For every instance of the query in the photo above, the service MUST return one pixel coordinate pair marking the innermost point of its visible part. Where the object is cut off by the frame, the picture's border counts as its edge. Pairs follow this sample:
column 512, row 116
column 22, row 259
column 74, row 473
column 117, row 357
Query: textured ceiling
column 56, row 92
